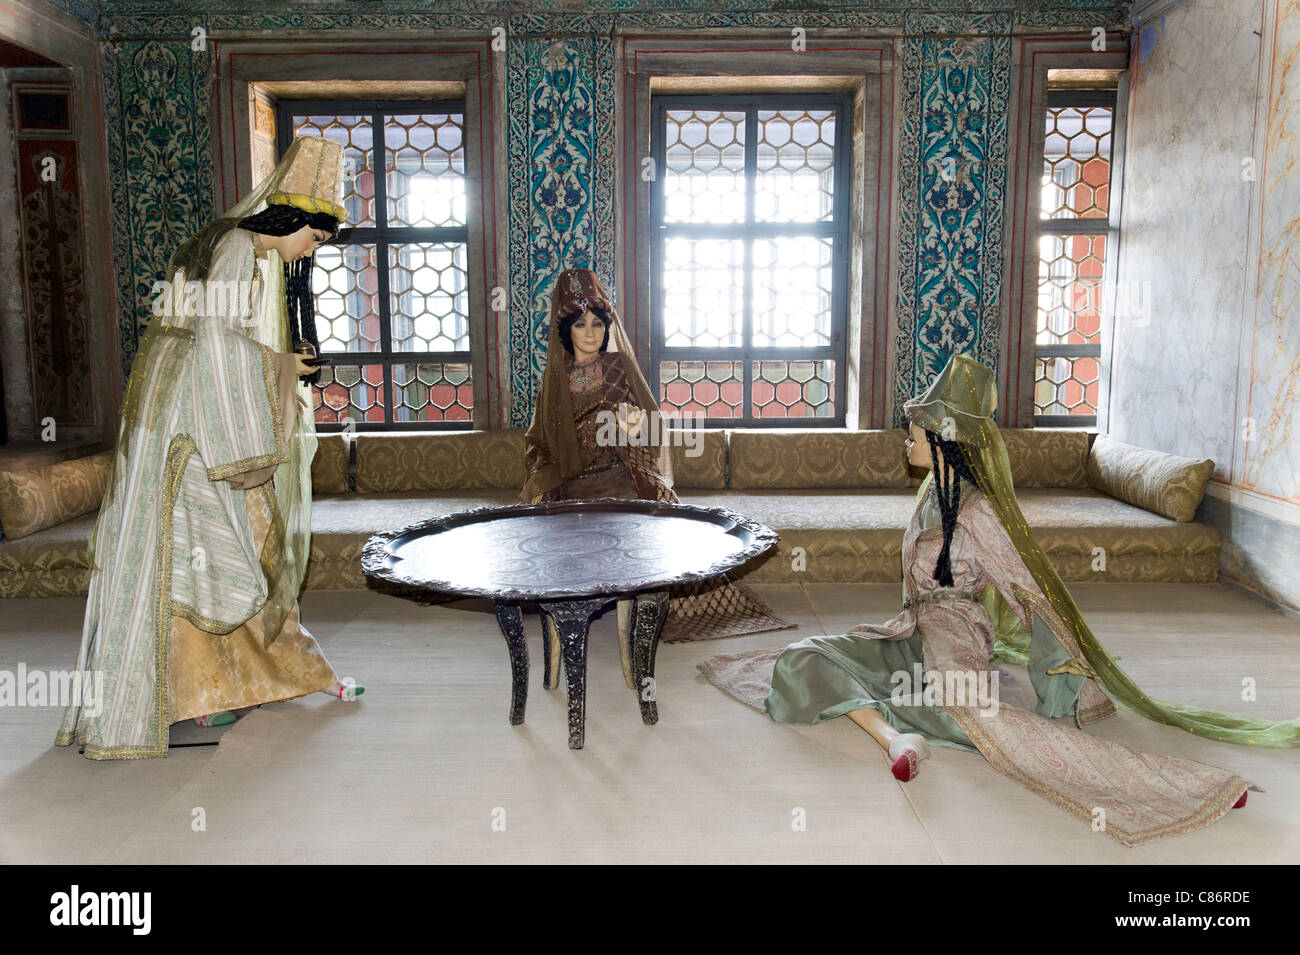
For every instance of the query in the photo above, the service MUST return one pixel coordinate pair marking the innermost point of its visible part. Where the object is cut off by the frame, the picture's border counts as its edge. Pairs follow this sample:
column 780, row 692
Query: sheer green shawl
column 986, row 455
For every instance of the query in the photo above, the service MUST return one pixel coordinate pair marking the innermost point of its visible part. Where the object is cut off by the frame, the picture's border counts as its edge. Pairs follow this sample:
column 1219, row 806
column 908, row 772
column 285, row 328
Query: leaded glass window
column 749, row 257
column 1072, row 256
column 392, row 300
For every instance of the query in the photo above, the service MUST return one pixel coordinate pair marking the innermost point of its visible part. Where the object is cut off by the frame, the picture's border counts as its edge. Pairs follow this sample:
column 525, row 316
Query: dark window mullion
column 747, row 287
column 840, row 259
column 444, row 234
column 380, row 145
column 1090, row 226
column 728, row 230
column 659, row 159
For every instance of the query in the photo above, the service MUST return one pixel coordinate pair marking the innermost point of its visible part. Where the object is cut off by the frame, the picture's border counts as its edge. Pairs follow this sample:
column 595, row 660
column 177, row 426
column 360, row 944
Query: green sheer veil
column 959, row 406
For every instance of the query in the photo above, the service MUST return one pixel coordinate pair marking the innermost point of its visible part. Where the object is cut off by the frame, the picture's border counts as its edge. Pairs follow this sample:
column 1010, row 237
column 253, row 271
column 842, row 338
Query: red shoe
column 908, row 749
column 906, row 766
column 1240, row 802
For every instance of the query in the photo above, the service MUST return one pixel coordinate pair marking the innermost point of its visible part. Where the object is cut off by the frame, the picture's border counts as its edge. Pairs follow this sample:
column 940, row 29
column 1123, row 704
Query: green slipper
column 224, row 718
column 347, row 691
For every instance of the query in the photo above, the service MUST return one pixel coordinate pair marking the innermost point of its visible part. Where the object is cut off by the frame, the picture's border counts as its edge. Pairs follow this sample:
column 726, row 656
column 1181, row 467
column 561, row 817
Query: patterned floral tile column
column 953, row 149
column 561, row 186
column 160, row 170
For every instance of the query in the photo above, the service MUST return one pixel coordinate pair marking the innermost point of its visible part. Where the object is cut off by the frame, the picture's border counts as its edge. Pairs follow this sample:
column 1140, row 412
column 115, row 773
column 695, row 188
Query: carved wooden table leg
column 551, row 655
column 647, row 623
column 511, row 620
column 572, row 619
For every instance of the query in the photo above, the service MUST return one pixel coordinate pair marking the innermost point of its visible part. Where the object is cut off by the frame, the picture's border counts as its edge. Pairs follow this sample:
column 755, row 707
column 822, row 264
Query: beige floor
column 427, row 768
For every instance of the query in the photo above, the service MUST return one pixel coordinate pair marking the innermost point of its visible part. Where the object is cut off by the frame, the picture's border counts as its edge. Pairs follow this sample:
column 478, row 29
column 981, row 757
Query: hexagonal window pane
column 425, row 158
column 795, row 166
column 686, row 389
column 793, row 389
column 428, row 283
column 1076, row 162
column 704, row 155
column 433, row 392
column 350, row 393
column 703, row 292
column 345, row 283
column 792, row 291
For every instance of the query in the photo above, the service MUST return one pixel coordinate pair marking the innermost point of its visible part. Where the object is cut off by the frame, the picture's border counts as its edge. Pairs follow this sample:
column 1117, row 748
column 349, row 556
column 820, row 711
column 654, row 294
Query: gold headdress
column 313, row 178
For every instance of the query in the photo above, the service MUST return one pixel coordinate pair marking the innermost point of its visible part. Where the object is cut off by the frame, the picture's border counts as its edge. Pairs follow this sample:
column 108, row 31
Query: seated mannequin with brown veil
column 591, row 379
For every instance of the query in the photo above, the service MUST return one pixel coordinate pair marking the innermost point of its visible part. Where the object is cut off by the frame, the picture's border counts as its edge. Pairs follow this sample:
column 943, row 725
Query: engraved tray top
column 565, row 549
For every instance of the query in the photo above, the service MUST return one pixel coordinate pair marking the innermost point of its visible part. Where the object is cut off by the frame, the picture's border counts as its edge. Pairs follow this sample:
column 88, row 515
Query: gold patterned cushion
column 817, row 459
column 1047, row 457
column 342, row 523
column 48, row 563
column 705, row 464
column 440, row 461
column 38, row 498
column 1159, row 482
column 840, row 536
column 329, row 469
column 857, row 536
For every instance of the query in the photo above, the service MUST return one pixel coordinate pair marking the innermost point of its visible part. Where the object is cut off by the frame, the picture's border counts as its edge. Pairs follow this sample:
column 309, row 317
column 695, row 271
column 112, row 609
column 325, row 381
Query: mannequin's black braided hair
column 286, row 220
column 947, row 491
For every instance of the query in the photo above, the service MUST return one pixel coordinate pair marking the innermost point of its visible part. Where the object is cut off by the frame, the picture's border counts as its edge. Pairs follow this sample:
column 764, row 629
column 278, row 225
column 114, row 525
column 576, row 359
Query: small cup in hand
column 308, row 363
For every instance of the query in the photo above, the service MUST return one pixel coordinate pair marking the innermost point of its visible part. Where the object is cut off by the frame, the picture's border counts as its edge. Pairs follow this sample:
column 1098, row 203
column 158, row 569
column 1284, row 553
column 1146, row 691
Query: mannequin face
column 918, row 448
column 298, row 244
column 587, row 333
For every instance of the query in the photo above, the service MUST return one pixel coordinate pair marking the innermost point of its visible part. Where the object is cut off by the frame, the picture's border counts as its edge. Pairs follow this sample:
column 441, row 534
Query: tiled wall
column 954, row 82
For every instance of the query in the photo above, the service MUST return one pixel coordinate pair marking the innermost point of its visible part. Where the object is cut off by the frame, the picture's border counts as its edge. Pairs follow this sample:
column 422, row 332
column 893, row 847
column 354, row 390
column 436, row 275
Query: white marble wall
column 1270, row 463
column 1211, row 220
column 1184, row 230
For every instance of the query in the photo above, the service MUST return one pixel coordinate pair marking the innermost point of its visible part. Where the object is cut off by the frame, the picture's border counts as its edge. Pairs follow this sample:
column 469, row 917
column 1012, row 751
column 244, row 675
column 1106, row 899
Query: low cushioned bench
column 839, row 499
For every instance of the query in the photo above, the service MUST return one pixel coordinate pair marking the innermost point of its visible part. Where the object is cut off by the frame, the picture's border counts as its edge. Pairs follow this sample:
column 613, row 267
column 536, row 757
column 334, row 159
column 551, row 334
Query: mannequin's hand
column 633, row 421
column 1077, row 666
column 303, row 368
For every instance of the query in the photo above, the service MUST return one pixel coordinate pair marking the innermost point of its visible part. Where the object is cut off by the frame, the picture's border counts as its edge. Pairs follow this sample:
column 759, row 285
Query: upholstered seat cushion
column 48, row 563
column 35, row 499
column 843, row 536
column 342, row 523
column 329, row 469
column 817, row 459
column 441, row 461
column 857, row 536
column 1047, row 457
column 1160, row 482
column 700, row 461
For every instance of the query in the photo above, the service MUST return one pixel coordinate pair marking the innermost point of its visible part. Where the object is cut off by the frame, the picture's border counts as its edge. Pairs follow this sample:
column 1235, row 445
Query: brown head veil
column 552, row 455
